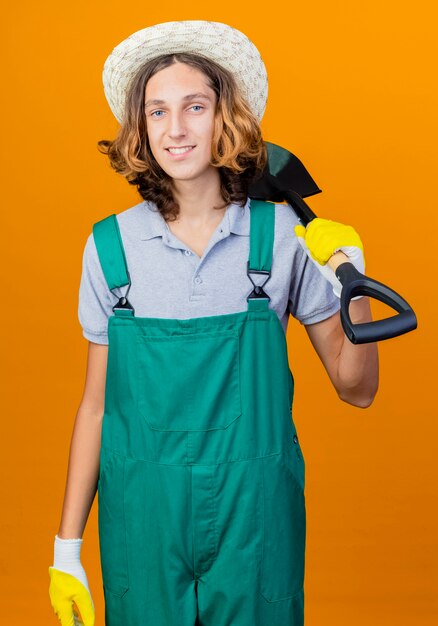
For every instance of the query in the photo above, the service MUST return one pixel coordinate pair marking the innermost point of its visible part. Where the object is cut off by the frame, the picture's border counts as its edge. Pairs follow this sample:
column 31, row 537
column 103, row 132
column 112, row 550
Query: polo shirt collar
column 236, row 220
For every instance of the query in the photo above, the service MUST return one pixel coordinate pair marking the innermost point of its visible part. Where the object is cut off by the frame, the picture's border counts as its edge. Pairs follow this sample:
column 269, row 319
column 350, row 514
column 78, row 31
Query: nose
column 177, row 126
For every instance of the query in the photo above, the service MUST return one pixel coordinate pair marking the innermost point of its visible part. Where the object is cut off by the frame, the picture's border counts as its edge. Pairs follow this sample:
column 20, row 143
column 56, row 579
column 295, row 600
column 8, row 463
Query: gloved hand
column 322, row 238
column 68, row 584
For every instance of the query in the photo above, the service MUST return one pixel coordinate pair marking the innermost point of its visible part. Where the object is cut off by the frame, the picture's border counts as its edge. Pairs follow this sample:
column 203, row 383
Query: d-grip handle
column 356, row 284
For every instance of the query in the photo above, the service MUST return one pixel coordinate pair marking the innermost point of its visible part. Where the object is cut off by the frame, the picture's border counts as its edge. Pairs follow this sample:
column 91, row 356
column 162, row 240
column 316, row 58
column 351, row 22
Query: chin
column 192, row 175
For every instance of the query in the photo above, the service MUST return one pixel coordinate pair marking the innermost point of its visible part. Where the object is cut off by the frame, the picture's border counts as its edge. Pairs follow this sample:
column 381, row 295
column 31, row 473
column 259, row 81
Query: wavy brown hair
column 237, row 150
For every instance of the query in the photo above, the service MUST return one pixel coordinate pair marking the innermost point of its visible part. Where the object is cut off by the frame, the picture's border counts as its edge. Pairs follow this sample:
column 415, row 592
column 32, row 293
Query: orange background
column 352, row 92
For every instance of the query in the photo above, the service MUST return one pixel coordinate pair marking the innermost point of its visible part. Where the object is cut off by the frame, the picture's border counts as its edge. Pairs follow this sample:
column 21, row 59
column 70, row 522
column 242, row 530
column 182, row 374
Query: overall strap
column 112, row 258
column 261, row 241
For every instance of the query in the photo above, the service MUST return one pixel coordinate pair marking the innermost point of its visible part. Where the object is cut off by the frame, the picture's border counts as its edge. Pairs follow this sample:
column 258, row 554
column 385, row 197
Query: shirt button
column 295, row 439
column 187, row 252
column 198, row 280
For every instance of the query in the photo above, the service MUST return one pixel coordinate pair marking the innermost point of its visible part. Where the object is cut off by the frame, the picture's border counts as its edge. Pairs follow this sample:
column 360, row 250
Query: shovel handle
column 354, row 283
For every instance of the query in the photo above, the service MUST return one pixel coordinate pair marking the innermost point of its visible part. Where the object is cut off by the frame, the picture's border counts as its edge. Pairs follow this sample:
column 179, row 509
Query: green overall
column 201, row 508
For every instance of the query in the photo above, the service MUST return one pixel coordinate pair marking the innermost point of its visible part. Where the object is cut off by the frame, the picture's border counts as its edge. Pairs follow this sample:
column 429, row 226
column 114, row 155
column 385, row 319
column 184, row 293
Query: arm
column 83, row 465
column 353, row 369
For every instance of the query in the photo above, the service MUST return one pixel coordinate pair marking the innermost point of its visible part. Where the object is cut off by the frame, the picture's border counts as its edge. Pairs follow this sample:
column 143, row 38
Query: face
column 180, row 111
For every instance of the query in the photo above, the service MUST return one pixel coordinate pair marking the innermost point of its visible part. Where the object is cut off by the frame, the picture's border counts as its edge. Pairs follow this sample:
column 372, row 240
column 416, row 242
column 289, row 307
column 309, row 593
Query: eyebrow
column 191, row 96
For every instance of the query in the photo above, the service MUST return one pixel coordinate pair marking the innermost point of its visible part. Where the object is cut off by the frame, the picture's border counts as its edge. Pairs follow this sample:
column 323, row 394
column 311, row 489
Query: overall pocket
column 189, row 382
column 111, row 523
column 284, row 533
column 296, row 462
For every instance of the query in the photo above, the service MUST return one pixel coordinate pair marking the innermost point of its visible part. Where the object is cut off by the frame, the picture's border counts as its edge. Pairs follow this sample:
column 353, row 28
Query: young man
column 185, row 425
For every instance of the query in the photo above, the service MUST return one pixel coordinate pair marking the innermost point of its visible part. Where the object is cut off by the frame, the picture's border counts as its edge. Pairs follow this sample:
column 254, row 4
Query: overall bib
column 201, row 507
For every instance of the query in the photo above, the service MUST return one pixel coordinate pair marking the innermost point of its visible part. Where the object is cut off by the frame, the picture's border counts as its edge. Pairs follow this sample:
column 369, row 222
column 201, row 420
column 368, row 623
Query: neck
column 197, row 198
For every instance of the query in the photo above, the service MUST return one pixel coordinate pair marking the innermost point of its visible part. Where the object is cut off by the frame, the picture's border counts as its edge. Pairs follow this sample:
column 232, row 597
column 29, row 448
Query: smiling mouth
column 181, row 150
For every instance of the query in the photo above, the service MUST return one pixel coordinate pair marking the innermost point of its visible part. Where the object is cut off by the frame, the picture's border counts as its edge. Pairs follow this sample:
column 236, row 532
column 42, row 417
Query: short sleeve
column 311, row 297
column 95, row 298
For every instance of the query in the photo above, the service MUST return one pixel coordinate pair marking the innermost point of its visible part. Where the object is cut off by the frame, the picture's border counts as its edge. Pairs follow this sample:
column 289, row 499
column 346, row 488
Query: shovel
column 286, row 179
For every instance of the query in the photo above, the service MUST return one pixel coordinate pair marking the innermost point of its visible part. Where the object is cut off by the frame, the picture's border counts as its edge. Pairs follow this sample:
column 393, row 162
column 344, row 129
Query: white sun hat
column 223, row 44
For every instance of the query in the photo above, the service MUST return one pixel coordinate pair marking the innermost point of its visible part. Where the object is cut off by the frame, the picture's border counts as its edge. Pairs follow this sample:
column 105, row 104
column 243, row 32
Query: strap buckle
column 123, row 302
column 258, row 291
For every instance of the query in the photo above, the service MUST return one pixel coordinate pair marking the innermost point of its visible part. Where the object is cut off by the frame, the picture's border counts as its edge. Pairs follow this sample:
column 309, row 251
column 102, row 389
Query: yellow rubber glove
column 63, row 591
column 322, row 238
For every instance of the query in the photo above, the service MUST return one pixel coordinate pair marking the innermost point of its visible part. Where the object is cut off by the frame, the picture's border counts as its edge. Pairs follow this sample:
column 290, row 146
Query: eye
column 153, row 113
column 197, row 105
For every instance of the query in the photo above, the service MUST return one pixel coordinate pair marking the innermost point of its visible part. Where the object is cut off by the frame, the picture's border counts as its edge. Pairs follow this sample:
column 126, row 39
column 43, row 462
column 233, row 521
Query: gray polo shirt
column 170, row 280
